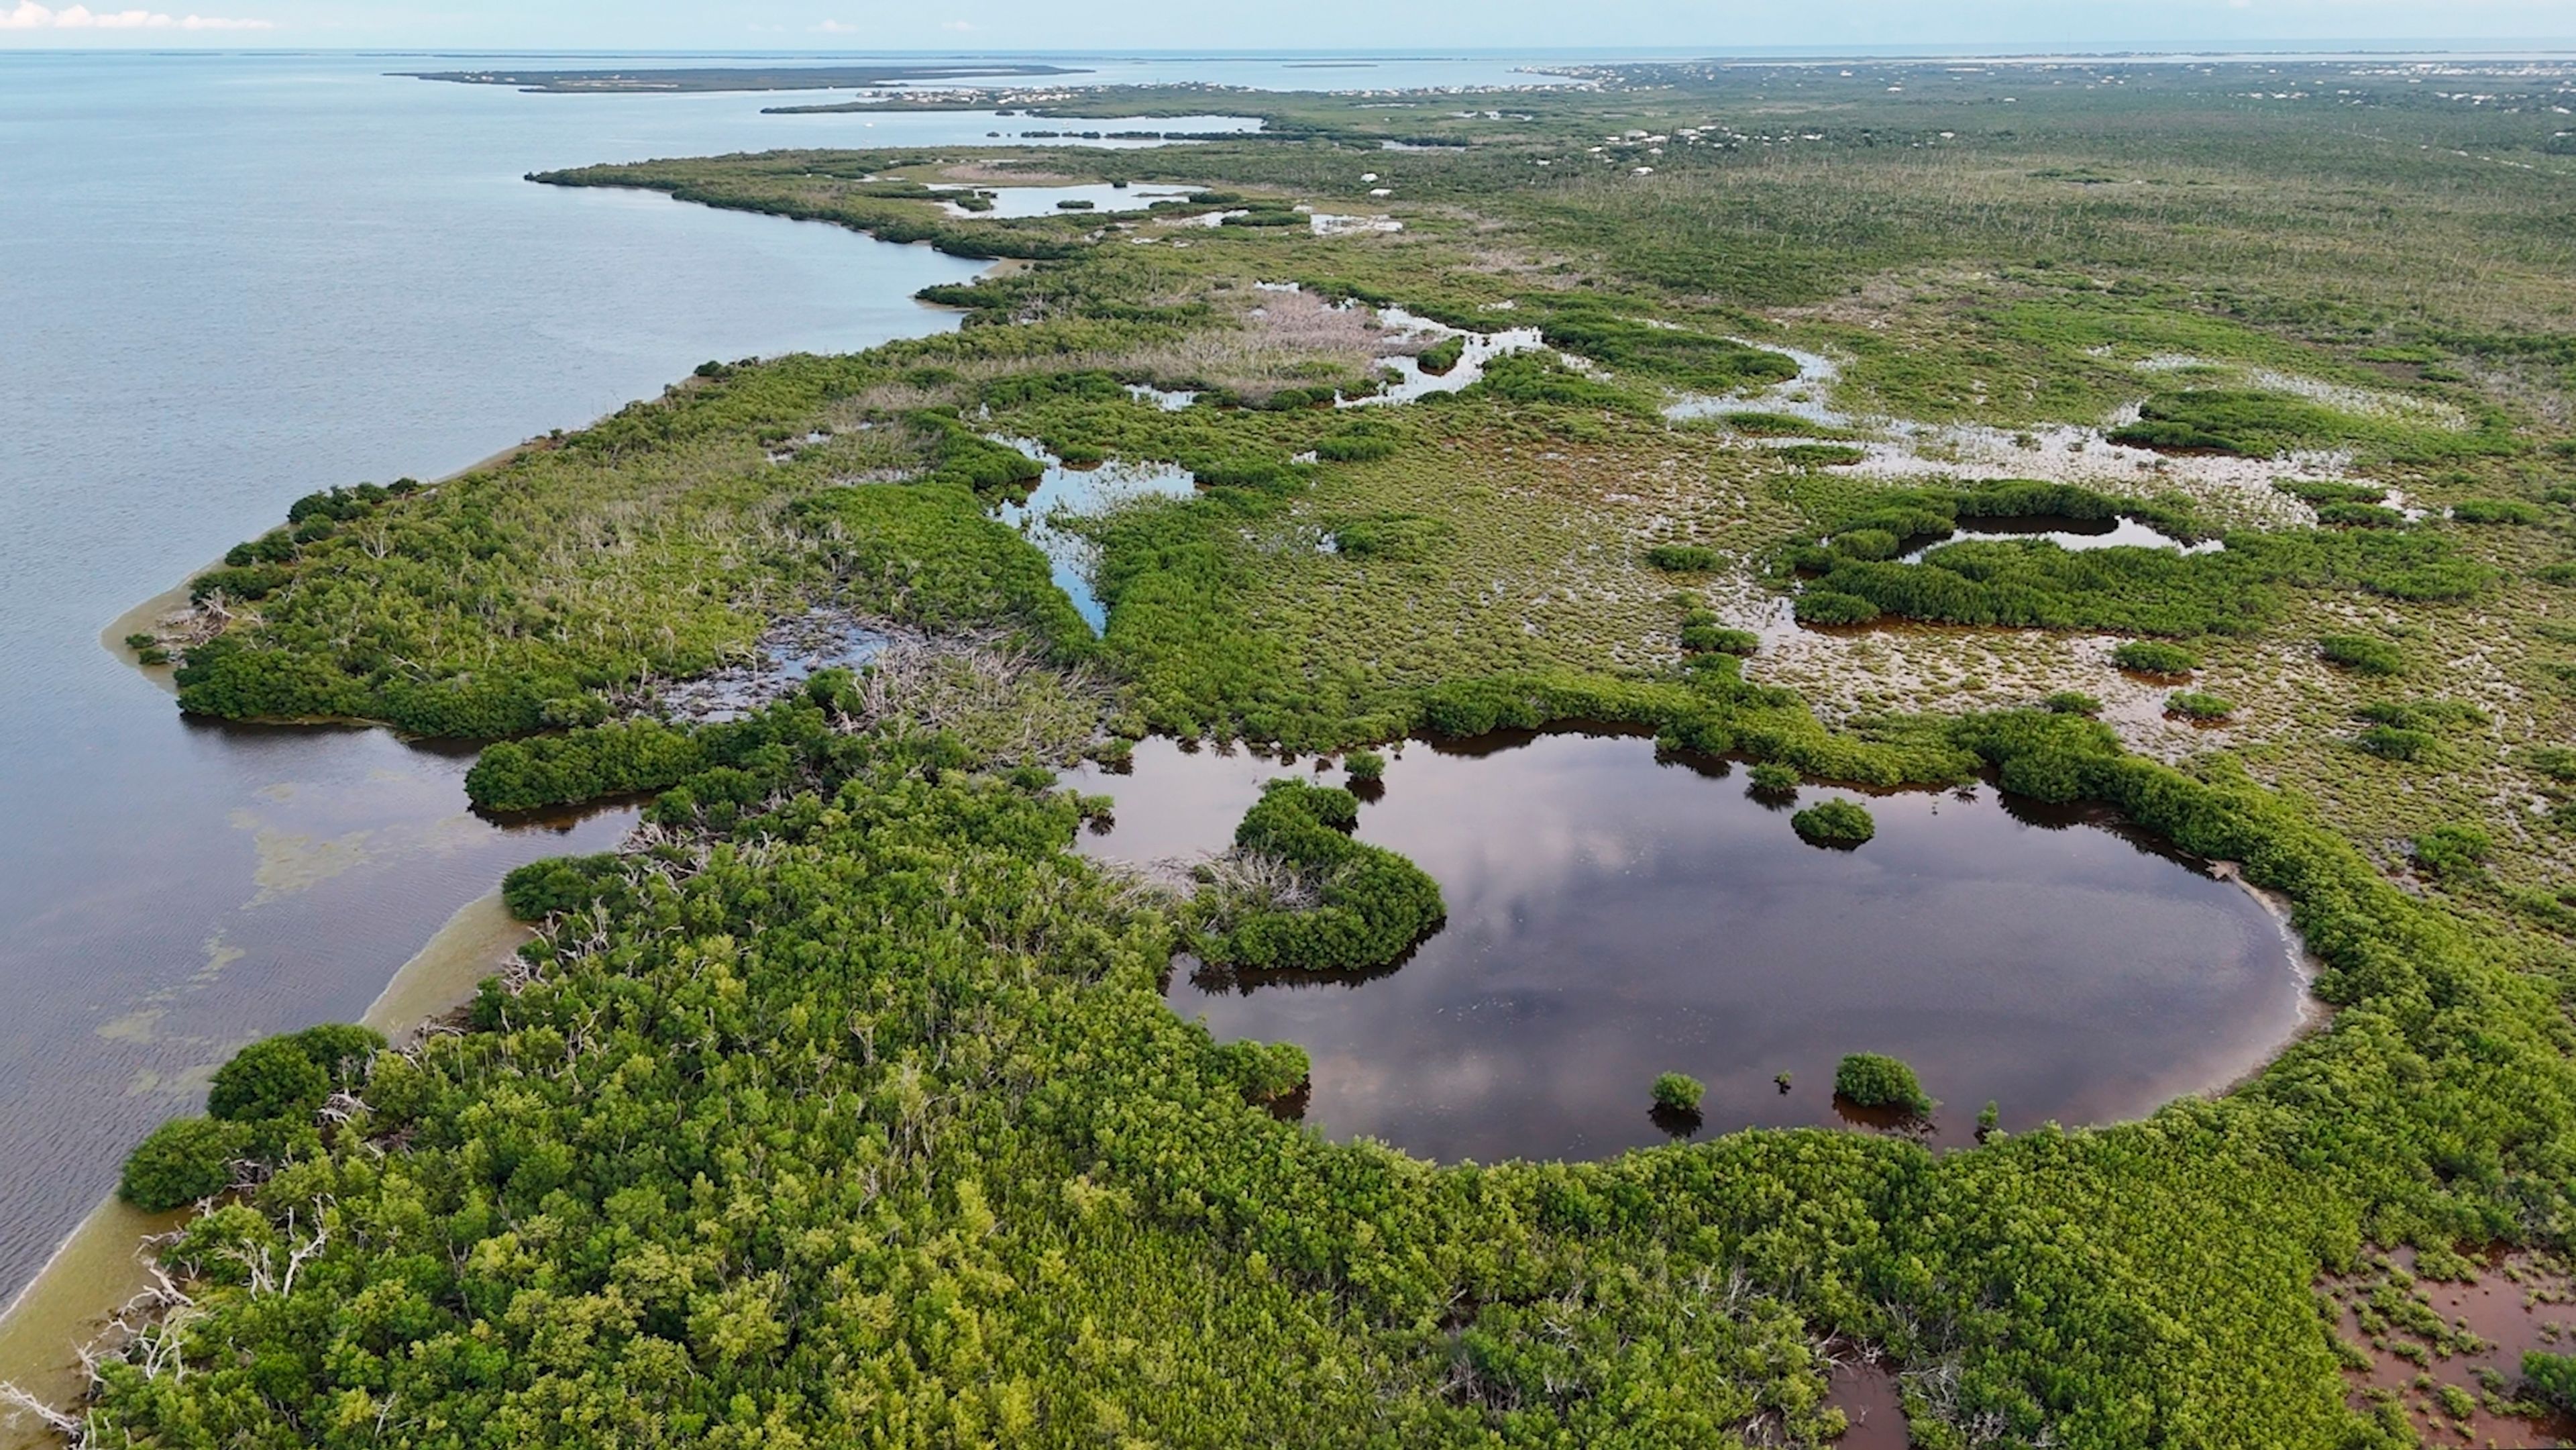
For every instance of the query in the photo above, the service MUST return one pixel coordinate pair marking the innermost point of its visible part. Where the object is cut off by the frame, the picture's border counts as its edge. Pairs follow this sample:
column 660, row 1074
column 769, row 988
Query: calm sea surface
column 226, row 281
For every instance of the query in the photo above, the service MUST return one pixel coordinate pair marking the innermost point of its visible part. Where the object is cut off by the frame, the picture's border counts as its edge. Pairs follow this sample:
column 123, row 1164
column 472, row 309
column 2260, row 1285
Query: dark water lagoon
column 1614, row 914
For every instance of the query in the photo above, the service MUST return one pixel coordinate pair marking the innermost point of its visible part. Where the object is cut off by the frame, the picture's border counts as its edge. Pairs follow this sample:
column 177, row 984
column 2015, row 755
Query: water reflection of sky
column 1612, row 917
column 1065, row 493
column 2072, row 534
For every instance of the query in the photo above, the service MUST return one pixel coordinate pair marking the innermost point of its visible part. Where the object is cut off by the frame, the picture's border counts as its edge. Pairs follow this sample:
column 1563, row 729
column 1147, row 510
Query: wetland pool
column 1614, row 913
column 1066, row 492
column 2072, row 534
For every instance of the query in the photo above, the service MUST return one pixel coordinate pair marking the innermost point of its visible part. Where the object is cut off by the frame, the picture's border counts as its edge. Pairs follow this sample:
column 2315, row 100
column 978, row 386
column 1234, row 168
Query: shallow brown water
column 1613, row 915
column 1873, row 1406
column 2515, row 1305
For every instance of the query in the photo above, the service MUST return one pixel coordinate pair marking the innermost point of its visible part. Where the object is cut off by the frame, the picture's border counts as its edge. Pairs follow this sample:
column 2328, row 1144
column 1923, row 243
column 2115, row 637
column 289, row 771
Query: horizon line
column 2336, row 47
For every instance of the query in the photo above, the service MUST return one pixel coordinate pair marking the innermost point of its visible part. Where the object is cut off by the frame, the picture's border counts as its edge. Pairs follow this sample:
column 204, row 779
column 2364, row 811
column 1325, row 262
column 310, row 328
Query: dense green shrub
column 1590, row 329
column 926, row 554
column 618, row 759
column 184, row 1160
column 2265, row 424
column 1355, row 446
column 2552, row 1378
column 562, row 884
column 2155, row 657
column 2073, row 702
column 2429, row 715
column 2391, row 742
column 288, row 1076
column 1773, row 778
column 2198, row 705
column 1759, row 424
column 1868, row 544
column 2360, row 516
column 960, row 455
column 1396, row 537
column 2318, row 492
column 1539, row 379
column 1828, row 607
column 1683, row 558
column 2498, row 511
column 1441, row 356
column 2034, row 583
column 1834, row 823
column 1820, row 455
column 2455, row 853
column 1677, row 1091
column 1702, row 634
column 2362, row 654
column 1364, row 765
column 274, row 1078
column 1372, row 904
column 1870, row 1080
column 1720, row 639
column 1268, row 1071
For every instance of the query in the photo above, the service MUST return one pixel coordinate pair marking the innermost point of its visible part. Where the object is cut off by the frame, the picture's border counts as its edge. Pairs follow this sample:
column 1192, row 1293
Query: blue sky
column 995, row 25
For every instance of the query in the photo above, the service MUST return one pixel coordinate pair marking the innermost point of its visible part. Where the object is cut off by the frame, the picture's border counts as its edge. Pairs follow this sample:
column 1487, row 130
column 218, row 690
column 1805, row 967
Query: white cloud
column 844, row 27
column 28, row 15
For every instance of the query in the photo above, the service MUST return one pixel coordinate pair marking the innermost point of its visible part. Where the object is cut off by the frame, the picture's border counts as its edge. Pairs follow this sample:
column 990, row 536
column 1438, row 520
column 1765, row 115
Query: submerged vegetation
column 844, row 1101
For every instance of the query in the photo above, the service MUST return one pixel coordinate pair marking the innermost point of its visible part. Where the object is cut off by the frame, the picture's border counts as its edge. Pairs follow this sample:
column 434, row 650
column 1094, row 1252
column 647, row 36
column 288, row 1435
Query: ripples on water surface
column 1613, row 915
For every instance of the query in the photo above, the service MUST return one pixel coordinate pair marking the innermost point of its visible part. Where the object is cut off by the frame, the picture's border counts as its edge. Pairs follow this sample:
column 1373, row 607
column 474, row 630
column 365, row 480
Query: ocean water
column 226, row 281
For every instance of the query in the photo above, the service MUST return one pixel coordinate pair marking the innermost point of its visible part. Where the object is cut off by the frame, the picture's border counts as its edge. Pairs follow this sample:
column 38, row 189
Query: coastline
column 93, row 1272
column 103, row 1262
column 100, row 1265
column 2305, row 967
column 173, row 601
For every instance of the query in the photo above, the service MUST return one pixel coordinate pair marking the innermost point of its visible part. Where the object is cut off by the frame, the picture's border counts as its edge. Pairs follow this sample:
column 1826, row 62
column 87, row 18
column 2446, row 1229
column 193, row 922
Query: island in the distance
column 728, row 78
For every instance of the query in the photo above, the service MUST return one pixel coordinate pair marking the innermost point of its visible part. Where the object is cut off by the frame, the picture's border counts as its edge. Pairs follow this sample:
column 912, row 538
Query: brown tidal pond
column 1615, row 913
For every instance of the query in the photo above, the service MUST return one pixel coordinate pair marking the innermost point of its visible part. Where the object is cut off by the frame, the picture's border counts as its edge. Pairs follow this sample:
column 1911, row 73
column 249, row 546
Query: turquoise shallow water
column 226, row 281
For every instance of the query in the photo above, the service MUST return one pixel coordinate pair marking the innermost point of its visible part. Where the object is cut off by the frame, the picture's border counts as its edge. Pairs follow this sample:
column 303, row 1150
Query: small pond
column 1170, row 400
column 2065, row 533
column 1410, row 382
column 1069, row 492
column 1614, row 914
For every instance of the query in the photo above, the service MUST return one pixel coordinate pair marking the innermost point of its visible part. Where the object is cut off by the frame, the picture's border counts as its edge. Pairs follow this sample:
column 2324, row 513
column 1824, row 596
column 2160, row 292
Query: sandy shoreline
column 143, row 617
column 100, row 1265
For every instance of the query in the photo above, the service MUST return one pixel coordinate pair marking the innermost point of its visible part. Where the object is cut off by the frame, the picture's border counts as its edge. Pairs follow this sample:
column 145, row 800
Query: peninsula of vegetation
column 2197, row 442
